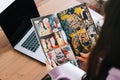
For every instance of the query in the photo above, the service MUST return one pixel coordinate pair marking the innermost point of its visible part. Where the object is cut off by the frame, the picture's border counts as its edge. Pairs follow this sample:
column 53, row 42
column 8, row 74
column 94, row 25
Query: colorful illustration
column 91, row 30
column 49, row 42
column 67, row 50
column 86, row 15
column 75, row 41
column 74, row 21
column 53, row 39
column 75, row 18
column 65, row 34
column 70, row 21
column 85, row 41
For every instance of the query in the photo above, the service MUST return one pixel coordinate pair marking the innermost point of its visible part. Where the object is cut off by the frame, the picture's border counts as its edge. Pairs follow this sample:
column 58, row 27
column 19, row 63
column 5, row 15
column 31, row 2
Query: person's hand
column 50, row 66
column 83, row 57
column 53, row 64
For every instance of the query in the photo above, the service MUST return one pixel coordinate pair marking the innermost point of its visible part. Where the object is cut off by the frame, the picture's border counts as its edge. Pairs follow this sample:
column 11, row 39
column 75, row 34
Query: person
column 103, row 61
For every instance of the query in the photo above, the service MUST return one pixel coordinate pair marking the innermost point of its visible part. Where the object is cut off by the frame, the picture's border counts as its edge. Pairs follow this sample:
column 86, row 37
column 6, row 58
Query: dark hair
column 105, row 53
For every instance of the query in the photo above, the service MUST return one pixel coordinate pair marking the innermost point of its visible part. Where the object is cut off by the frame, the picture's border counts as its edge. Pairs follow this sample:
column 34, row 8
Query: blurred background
column 97, row 5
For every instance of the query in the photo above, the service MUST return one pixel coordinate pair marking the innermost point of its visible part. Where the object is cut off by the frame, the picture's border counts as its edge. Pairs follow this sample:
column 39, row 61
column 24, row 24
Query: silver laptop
column 16, row 24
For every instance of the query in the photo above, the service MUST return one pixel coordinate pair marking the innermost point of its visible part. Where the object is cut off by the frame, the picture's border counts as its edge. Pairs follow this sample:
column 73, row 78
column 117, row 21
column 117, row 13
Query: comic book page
column 79, row 28
column 53, row 39
column 66, row 34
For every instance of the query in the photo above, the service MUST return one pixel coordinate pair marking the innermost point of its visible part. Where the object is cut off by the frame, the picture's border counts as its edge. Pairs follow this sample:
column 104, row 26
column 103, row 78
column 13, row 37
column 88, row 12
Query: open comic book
column 65, row 34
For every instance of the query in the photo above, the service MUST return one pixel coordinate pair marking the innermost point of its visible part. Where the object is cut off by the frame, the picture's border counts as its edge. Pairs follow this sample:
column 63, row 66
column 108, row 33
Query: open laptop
column 16, row 24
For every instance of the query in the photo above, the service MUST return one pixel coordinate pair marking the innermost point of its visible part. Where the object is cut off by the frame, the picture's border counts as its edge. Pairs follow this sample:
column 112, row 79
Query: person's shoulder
column 113, row 74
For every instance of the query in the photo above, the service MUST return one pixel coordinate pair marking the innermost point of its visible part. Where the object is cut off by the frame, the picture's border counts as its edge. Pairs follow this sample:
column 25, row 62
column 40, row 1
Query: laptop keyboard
column 31, row 43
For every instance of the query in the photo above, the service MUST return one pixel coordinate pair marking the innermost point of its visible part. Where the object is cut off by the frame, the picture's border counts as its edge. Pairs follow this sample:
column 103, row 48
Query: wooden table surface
column 17, row 66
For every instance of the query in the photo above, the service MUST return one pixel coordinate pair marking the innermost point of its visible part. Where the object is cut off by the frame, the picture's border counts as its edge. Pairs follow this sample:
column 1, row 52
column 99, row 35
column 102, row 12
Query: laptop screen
column 15, row 20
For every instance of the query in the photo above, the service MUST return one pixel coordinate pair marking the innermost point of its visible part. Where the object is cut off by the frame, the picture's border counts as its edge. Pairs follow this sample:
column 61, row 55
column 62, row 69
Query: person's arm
column 114, row 74
column 83, row 57
column 57, row 74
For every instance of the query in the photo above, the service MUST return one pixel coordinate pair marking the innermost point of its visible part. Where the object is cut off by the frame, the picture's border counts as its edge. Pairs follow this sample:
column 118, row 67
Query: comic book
column 65, row 34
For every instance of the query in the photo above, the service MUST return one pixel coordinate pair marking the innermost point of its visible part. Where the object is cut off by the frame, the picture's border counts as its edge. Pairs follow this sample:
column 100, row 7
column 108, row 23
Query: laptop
column 16, row 24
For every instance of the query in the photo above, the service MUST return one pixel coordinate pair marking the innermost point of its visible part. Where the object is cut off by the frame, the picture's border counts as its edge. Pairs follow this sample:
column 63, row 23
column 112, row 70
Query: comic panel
column 68, row 53
column 70, row 20
column 84, row 12
column 49, row 42
column 81, row 42
column 55, row 23
column 61, row 38
column 51, row 55
column 85, row 41
column 43, row 26
column 64, row 54
column 75, row 42
column 60, row 57
column 91, row 30
column 47, row 24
